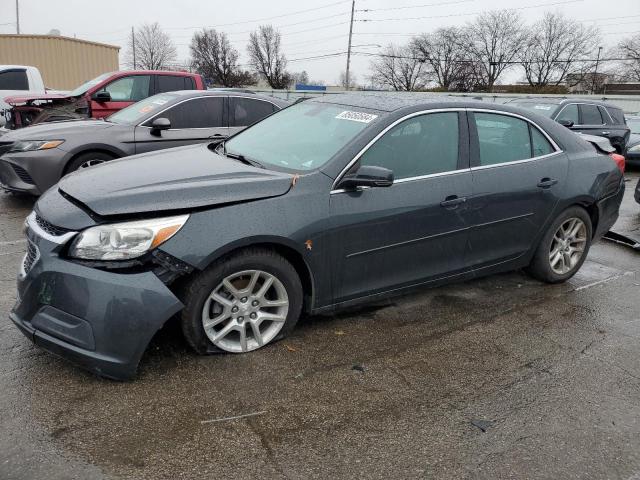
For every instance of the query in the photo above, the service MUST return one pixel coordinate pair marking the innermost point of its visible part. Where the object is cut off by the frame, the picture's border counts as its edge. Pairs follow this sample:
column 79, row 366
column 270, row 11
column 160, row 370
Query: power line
column 466, row 14
column 414, row 6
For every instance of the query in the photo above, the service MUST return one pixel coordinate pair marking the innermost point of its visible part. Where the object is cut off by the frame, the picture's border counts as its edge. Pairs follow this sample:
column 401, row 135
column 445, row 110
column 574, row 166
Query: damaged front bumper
column 100, row 320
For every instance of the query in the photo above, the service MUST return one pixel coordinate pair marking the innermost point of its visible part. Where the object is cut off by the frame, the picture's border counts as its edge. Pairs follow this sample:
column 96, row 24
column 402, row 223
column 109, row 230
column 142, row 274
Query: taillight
column 619, row 159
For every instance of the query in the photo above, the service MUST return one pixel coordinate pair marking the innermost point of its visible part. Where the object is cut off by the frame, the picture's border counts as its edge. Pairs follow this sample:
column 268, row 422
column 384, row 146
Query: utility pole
column 347, row 78
column 595, row 73
column 133, row 47
column 17, row 18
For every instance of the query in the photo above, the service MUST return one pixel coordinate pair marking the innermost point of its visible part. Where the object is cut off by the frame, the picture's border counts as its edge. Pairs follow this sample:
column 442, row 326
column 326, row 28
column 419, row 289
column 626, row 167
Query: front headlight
column 32, row 145
column 124, row 241
column 635, row 148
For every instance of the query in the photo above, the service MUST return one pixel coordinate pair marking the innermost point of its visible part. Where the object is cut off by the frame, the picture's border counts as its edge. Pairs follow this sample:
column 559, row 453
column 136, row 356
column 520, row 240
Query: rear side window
column 172, row 83
column 617, row 115
column 569, row 113
column 422, row 145
column 14, row 80
column 540, row 144
column 591, row 115
column 502, row 138
column 247, row 111
column 197, row 113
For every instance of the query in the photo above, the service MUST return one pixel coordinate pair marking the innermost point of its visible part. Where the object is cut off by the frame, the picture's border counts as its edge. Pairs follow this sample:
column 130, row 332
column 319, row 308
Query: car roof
column 391, row 101
column 227, row 93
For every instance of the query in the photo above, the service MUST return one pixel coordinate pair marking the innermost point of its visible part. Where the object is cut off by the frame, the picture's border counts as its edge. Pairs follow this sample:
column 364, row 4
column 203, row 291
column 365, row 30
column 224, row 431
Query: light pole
column 17, row 18
column 595, row 73
column 347, row 79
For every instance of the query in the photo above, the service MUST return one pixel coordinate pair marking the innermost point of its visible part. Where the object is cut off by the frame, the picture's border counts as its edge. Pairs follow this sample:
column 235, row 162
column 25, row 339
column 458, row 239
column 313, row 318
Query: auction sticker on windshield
column 357, row 116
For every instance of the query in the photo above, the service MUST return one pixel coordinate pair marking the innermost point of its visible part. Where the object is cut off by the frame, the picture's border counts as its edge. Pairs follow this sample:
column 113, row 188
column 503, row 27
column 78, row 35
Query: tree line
column 553, row 51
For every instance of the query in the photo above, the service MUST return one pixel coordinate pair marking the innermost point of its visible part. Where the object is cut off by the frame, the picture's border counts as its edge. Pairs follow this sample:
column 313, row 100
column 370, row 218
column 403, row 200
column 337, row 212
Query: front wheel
column 564, row 247
column 242, row 303
column 86, row 160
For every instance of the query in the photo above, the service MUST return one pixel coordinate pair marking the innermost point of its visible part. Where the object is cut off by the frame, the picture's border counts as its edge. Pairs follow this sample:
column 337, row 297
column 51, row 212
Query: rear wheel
column 242, row 303
column 564, row 247
column 86, row 160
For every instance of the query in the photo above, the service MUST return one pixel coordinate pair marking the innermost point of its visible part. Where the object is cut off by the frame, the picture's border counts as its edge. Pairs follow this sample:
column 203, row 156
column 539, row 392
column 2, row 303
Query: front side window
column 302, row 137
column 569, row 113
column 247, row 111
column 591, row 115
column 14, row 80
column 197, row 113
column 421, row 145
column 129, row 89
column 502, row 138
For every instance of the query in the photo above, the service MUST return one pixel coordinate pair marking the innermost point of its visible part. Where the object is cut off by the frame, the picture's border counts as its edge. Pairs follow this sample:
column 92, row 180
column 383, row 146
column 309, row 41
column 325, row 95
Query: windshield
column 302, row 137
column 634, row 125
column 87, row 85
column 134, row 114
column 540, row 108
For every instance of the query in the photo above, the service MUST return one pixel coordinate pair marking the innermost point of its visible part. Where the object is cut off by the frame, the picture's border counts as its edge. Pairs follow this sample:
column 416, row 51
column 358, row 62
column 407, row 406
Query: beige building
column 63, row 62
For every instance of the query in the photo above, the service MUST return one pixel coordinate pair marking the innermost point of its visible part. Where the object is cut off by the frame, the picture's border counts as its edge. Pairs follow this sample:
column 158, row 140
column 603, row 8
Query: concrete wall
column 63, row 62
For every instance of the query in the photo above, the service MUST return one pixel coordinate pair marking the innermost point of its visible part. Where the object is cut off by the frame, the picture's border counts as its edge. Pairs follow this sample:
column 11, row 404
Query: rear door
column 195, row 120
column 123, row 91
column 245, row 111
column 415, row 230
column 518, row 174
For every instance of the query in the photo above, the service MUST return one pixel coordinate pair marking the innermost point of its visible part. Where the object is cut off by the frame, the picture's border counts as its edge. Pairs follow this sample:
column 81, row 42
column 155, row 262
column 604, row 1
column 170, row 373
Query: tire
column 83, row 158
column 542, row 265
column 239, row 269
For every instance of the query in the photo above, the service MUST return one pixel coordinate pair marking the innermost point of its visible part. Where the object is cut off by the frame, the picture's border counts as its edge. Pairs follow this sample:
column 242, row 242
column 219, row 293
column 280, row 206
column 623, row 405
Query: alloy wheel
column 90, row 163
column 245, row 311
column 567, row 246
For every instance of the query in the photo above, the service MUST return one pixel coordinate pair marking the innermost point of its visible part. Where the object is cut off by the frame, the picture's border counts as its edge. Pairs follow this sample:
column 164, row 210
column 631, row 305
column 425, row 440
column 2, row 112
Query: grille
column 4, row 147
column 23, row 174
column 50, row 228
column 30, row 258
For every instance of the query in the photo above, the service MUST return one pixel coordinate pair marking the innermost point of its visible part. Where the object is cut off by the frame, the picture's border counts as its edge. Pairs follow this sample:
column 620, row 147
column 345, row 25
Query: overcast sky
column 322, row 29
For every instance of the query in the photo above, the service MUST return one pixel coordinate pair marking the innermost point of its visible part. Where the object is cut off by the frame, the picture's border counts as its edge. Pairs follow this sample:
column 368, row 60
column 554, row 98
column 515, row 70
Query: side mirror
column 101, row 96
column 160, row 124
column 565, row 122
column 368, row 176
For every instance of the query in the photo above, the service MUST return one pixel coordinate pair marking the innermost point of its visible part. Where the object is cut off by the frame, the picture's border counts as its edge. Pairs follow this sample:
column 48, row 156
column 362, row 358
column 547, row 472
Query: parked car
column 35, row 158
column 98, row 98
column 18, row 79
column 632, row 153
column 331, row 202
column 583, row 116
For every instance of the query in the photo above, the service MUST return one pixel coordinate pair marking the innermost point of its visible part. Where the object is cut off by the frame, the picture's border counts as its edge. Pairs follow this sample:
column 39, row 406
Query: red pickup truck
column 99, row 97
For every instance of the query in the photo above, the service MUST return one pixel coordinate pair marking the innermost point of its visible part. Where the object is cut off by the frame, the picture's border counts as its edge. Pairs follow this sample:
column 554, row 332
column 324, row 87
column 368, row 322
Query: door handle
column 452, row 201
column 216, row 135
column 547, row 182
column 606, row 133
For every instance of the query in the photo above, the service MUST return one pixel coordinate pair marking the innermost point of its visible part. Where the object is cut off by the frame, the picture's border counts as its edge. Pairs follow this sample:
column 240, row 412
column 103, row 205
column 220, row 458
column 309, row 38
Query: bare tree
column 556, row 47
column 300, row 78
column 445, row 54
column 213, row 56
column 399, row 68
column 266, row 57
column 493, row 41
column 353, row 80
column 629, row 49
column 154, row 49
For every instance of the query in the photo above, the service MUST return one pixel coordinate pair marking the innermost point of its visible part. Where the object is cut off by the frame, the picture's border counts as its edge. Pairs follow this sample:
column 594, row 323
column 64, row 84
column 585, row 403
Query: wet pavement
column 502, row 377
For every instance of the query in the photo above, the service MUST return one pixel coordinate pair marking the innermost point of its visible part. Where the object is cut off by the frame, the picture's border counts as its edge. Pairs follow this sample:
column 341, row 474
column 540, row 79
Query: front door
column 124, row 91
column 415, row 230
column 517, row 178
column 195, row 120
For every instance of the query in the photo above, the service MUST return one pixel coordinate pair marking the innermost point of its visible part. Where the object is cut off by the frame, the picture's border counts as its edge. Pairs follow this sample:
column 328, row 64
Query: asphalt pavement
column 502, row 377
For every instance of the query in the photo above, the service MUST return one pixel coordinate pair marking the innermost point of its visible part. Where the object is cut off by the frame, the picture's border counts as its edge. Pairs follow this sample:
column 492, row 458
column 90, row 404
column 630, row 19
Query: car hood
column 171, row 180
column 18, row 99
column 56, row 130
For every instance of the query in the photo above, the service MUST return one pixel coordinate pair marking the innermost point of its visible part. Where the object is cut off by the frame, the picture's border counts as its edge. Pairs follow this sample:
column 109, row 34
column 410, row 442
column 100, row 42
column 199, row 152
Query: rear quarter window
column 617, row 115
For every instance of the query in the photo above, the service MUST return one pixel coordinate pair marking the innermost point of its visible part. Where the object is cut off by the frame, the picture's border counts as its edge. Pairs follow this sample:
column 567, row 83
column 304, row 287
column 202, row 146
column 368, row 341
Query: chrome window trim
column 33, row 225
column 260, row 99
column 450, row 172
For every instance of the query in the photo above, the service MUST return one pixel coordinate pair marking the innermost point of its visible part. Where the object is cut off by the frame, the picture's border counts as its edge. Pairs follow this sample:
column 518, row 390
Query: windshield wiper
column 243, row 159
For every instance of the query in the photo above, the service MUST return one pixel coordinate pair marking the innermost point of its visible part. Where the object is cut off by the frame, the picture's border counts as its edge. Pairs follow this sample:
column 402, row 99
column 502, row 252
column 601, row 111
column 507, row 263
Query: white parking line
column 615, row 277
column 215, row 420
column 14, row 242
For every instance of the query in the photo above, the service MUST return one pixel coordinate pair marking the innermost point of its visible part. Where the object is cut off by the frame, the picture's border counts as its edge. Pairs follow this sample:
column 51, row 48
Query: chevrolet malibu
column 331, row 202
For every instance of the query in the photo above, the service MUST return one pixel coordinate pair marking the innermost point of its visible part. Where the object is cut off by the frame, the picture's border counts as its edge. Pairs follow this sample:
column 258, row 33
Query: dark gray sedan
column 33, row 159
column 330, row 202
